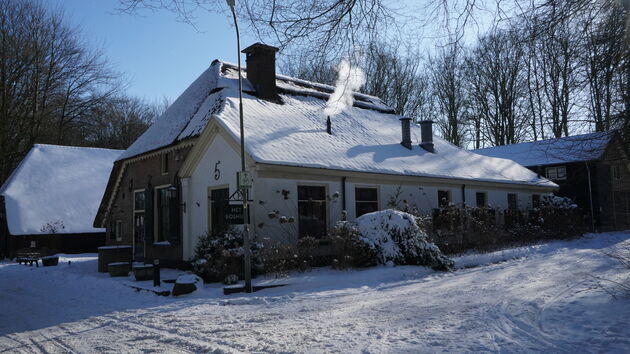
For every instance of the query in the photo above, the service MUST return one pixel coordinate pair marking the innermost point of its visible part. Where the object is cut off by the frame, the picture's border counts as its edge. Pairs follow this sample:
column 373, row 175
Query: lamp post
column 244, row 188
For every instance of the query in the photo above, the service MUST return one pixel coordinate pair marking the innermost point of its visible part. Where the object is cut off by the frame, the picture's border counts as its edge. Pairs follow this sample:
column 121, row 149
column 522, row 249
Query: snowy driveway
column 546, row 300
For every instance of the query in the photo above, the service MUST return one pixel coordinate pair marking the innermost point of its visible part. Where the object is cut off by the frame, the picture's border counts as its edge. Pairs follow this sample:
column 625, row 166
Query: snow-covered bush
column 457, row 229
column 220, row 254
column 348, row 249
column 395, row 236
column 279, row 258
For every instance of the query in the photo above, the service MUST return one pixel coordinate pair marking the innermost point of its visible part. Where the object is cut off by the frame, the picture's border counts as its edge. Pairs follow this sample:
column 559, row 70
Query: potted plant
column 49, row 261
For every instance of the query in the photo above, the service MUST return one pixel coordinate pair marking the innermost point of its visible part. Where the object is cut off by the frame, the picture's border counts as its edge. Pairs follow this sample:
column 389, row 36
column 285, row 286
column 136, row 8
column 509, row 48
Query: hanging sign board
column 233, row 214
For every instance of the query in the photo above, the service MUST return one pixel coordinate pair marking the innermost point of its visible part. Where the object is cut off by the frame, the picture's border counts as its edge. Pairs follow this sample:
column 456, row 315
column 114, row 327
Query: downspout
column 343, row 193
column 463, row 195
column 590, row 196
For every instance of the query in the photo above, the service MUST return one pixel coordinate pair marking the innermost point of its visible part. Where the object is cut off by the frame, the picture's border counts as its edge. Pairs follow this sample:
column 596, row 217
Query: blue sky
column 158, row 55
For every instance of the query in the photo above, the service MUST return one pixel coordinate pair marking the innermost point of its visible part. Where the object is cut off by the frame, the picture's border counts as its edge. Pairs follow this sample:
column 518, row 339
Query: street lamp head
column 231, row 3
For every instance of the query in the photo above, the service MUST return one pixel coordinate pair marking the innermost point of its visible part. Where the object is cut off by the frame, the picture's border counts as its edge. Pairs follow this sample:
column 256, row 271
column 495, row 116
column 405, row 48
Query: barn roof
column 57, row 189
column 577, row 148
column 366, row 137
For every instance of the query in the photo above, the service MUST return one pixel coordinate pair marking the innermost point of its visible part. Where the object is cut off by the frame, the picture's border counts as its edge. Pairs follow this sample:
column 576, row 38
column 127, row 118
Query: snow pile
column 188, row 279
column 548, row 300
column 57, row 189
column 396, row 237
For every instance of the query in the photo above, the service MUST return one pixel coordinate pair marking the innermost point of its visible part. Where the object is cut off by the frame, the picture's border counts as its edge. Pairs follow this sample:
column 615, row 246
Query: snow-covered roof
column 57, row 189
column 366, row 137
column 585, row 147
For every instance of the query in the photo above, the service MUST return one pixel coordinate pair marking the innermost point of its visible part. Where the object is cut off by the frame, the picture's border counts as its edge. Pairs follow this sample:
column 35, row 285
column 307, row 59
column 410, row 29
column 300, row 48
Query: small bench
column 28, row 258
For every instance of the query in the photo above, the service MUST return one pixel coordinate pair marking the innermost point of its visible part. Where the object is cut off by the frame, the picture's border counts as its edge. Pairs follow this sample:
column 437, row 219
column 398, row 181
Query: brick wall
column 137, row 176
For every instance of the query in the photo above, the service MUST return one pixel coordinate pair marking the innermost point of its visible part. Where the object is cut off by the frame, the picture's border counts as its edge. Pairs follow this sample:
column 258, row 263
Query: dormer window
column 164, row 163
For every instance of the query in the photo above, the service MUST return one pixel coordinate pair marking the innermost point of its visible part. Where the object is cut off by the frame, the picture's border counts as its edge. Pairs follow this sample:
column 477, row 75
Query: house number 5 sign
column 217, row 171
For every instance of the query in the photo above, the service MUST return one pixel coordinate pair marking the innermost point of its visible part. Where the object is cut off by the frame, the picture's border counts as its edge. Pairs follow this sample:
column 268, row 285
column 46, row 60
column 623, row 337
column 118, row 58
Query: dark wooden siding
column 611, row 197
column 138, row 175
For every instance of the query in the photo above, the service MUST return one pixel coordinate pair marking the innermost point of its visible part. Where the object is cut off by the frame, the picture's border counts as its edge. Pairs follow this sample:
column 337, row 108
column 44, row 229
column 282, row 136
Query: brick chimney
column 405, row 124
column 261, row 69
column 426, row 134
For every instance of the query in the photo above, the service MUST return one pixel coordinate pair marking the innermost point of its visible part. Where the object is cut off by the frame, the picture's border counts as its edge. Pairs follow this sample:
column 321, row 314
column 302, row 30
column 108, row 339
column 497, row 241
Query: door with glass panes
column 312, row 211
column 138, row 225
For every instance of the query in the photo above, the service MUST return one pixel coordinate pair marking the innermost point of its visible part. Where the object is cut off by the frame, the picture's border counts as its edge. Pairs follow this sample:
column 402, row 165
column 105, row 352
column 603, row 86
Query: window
column 556, row 173
column 512, row 201
column 312, row 211
column 164, row 163
column 138, row 201
column 366, row 200
column 444, row 198
column 536, row 200
column 118, row 230
column 167, row 214
column 481, row 199
column 616, row 171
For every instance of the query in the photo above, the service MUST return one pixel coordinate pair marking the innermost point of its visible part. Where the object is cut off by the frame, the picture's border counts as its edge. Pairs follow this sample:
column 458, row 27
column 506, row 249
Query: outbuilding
column 51, row 198
column 592, row 169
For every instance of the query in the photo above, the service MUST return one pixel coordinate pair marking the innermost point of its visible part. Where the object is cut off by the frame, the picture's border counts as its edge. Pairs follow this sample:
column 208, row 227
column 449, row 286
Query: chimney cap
column 405, row 118
column 426, row 121
column 260, row 46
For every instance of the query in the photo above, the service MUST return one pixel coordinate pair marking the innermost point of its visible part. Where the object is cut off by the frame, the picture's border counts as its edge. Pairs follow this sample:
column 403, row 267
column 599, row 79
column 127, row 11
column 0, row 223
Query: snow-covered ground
column 539, row 298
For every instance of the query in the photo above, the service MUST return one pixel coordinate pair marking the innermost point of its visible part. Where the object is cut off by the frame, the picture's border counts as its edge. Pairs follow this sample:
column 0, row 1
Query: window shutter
column 174, row 216
column 148, row 214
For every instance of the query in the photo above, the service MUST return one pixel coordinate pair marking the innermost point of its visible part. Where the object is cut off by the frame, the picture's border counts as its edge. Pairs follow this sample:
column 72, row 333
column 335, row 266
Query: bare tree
column 497, row 87
column 394, row 75
column 448, row 83
column 119, row 121
column 49, row 78
column 398, row 78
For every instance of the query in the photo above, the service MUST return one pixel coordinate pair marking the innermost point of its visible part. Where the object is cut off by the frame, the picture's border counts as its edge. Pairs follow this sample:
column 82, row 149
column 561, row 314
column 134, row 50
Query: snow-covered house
column 51, row 198
column 175, row 182
column 592, row 169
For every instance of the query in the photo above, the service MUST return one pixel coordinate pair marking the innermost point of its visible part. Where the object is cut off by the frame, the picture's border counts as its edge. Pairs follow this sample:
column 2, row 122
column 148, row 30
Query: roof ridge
column 75, row 147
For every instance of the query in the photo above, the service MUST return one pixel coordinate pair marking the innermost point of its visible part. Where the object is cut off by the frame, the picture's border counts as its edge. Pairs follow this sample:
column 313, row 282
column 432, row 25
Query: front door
column 138, row 236
column 219, row 199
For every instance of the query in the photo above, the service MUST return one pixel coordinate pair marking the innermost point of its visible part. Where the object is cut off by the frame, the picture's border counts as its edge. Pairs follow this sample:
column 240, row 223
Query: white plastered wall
column 204, row 178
